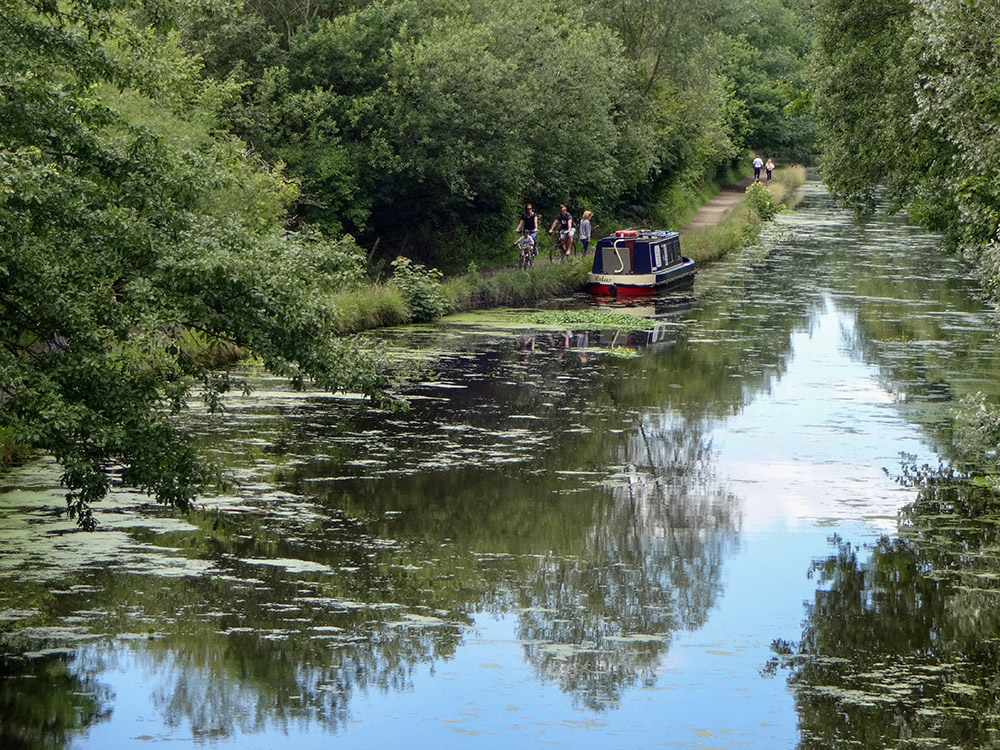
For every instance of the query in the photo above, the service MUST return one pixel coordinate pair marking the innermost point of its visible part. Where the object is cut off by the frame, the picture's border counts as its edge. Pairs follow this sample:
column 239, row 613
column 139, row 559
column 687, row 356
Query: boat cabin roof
column 637, row 251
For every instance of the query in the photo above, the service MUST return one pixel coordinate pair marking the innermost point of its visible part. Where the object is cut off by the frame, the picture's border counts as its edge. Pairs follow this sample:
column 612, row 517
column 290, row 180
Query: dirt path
column 711, row 213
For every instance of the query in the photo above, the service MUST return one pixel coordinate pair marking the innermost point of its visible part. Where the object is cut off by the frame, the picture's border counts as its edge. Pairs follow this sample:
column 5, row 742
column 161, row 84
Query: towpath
column 718, row 206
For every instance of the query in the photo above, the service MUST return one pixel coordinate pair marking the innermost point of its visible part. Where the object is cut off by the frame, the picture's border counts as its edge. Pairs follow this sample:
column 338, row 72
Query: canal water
column 690, row 537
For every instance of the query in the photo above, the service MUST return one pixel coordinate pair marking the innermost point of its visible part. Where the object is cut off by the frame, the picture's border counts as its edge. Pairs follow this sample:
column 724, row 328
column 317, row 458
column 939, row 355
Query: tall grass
column 787, row 183
column 515, row 286
column 374, row 306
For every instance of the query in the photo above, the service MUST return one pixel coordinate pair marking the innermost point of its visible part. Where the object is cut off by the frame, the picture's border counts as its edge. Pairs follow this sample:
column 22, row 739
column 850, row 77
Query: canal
column 707, row 536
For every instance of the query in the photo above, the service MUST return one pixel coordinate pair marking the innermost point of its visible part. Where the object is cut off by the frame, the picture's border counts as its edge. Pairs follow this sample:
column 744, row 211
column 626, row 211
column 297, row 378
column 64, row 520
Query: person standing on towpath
column 585, row 230
column 757, row 164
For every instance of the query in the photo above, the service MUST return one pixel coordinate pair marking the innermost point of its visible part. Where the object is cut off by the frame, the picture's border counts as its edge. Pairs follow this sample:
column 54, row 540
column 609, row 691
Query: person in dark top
column 565, row 223
column 529, row 222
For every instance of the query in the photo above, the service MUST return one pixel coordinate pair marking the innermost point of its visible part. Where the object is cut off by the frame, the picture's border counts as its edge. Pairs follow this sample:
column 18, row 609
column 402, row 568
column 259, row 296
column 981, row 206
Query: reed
column 374, row 306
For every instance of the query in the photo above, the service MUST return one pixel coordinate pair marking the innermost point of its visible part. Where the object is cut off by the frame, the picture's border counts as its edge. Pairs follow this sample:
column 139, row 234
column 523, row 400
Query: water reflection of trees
column 44, row 699
column 914, row 314
column 601, row 622
column 600, row 569
column 225, row 654
column 901, row 647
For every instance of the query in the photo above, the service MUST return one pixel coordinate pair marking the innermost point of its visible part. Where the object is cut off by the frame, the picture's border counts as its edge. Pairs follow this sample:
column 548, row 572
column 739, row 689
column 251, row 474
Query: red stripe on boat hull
column 620, row 289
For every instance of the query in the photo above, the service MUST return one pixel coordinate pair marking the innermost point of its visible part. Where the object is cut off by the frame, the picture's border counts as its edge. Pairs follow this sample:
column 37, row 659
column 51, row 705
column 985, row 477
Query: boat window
column 616, row 259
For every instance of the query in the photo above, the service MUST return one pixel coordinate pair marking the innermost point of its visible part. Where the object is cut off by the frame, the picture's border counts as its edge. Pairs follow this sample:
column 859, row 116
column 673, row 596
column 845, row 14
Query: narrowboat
column 638, row 261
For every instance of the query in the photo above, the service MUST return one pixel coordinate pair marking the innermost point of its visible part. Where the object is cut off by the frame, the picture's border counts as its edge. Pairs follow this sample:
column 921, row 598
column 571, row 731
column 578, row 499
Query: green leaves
column 127, row 222
column 762, row 201
column 421, row 289
column 907, row 99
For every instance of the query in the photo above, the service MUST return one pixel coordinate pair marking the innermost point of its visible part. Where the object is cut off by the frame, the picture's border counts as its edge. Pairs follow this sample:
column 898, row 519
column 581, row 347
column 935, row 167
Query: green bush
column 762, row 201
column 421, row 288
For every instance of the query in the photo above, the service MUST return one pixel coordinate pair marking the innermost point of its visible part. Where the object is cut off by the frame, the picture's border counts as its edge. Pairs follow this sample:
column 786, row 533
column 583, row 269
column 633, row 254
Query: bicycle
column 527, row 253
column 564, row 242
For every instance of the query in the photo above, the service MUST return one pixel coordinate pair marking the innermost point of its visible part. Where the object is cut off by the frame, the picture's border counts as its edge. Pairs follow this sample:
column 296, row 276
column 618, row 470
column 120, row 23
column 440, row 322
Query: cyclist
column 526, row 244
column 529, row 221
column 565, row 223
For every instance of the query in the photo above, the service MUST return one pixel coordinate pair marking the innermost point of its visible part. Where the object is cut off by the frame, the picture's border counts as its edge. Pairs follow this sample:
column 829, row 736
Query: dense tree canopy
column 425, row 124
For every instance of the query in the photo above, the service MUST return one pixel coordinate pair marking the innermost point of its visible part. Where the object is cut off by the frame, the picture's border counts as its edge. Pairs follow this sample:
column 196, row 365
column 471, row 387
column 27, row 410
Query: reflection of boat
column 638, row 261
column 672, row 302
column 657, row 336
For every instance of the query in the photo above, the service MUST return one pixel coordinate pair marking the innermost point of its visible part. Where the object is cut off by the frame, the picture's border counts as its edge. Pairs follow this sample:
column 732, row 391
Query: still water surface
column 555, row 545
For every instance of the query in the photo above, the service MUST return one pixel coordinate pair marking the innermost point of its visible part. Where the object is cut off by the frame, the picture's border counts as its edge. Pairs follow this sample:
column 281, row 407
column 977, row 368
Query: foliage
column 421, row 288
column 863, row 101
column 423, row 126
column 762, row 201
column 12, row 450
column 128, row 220
column 958, row 102
column 977, row 433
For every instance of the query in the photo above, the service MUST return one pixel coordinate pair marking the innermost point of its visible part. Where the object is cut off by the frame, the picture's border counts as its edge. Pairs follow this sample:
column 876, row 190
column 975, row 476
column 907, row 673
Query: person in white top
column 758, row 163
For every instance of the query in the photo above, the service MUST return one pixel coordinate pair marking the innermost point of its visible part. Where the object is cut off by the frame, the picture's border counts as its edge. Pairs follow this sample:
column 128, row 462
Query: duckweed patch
column 589, row 318
column 503, row 321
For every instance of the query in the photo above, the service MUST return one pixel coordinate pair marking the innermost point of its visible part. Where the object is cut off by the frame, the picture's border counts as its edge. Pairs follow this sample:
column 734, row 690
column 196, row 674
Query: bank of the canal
column 720, row 226
column 693, row 546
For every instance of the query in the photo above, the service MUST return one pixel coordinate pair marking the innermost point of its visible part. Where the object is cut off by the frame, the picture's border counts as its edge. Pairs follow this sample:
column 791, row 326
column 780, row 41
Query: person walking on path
column 758, row 163
column 529, row 222
column 565, row 223
column 585, row 230
column 769, row 168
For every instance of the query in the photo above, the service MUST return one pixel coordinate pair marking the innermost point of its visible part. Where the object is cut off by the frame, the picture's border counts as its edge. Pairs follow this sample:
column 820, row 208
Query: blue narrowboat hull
column 645, row 283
